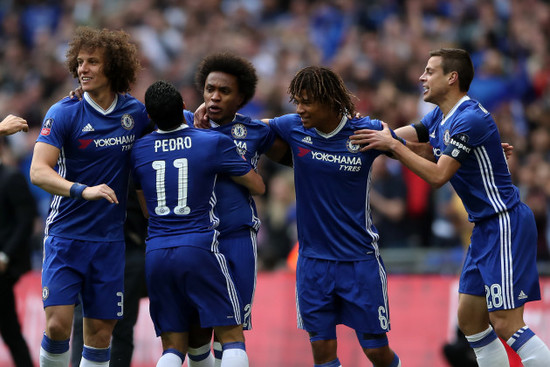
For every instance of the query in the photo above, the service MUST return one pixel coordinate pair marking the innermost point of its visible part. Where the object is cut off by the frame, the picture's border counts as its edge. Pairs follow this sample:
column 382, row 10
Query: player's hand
column 374, row 139
column 78, row 93
column 100, row 192
column 200, row 118
column 508, row 149
column 12, row 124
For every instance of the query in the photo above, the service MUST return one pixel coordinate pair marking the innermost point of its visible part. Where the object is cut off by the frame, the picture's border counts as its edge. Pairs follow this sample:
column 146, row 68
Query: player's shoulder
column 365, row 122
column 64, row 109
column 129, row 99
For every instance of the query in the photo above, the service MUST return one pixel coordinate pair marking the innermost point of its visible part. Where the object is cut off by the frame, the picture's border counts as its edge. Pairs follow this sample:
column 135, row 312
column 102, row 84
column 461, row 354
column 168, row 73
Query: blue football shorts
column 89, row 272
column 501, row 260
column 353, row 293
column 185, row 281
column 240, row 250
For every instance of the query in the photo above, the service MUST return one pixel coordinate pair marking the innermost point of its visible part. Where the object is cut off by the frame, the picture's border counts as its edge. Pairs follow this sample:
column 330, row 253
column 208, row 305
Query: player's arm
column 43, row 175
column 436, row 174
column 12, row 124
column 252, row 181
column 279, row 151
column 142, row 203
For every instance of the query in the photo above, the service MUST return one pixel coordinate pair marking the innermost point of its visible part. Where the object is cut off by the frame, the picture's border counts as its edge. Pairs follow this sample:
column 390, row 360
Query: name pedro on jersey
column 168, row 145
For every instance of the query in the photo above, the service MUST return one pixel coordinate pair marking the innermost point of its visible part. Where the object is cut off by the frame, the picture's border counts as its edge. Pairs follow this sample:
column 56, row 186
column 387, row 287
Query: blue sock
column 483, row 341
column 234, row 345
column 520, row 337
column 54, row 346
column 395, row 361
column 96, row 354
column 335, row 363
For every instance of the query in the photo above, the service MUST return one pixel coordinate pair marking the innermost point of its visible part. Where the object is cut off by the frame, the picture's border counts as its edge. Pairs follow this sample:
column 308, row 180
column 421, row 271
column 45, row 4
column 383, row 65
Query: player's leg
column 102, row 301
column 122, row 344
column 96, row 350
column 324, row 351
column 362, row 288
column 473, row 320
column 174, row 347
column 61, row 283
column 520, row 284
column 316, row 307
column 54, row 349
column 510, row 326
column 240, row 251
column 199, row 352
column 233, row 347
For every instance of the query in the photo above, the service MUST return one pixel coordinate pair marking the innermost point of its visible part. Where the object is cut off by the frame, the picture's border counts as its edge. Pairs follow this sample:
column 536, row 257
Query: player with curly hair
column 81, row 157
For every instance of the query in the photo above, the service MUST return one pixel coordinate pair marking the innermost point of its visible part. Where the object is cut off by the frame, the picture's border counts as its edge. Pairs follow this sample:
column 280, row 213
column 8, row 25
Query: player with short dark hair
column 177, row 168
column 499, row 274
column 81, row 157
column 228, row 82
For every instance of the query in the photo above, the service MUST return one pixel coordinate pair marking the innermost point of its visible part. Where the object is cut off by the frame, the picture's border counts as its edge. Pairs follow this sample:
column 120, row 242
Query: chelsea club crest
column 127, row 121
column 238, row 131
column 352, row 148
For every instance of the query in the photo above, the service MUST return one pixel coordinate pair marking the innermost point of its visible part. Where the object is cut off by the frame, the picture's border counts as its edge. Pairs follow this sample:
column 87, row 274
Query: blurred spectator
column 388, row 199
column 16, row 222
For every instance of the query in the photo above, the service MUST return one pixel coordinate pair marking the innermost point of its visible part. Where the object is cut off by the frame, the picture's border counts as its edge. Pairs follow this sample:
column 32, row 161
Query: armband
column 422, row 132
column 76, row 190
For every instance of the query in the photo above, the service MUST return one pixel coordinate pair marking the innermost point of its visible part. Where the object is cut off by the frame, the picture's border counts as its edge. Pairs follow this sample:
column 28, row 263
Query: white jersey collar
column 97, row 107
column 181, row 127
column 452, row 111
column 335, row 131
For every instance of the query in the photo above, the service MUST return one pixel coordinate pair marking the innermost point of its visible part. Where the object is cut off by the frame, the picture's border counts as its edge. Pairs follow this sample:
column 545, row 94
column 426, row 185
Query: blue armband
column 76, row 190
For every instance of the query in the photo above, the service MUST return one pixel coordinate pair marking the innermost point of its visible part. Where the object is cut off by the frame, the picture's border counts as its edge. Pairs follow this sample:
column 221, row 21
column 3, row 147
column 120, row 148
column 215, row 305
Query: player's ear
column 453, row 77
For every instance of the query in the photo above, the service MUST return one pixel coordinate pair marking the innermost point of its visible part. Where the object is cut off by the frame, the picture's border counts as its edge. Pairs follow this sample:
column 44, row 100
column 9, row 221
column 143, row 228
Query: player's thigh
column 62, row 275
column 473, row 316
column 103, row 288
column 363, row 289
column 317, row 307
column 240, row 251
column 501, row 261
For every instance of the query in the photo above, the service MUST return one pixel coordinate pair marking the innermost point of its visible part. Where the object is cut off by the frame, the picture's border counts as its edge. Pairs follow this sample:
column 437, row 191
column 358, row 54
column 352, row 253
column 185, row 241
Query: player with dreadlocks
column 340, row 276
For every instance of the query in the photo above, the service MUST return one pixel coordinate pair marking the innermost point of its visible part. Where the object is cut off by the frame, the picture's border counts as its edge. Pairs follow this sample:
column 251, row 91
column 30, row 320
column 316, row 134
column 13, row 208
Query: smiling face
column 222, row 97
column 315, row 114
column 91, row 72
column 434, row 81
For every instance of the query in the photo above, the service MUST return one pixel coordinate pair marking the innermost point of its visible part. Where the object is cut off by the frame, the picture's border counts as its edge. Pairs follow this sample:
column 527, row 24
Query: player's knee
column 58, row 330
column 505, row 324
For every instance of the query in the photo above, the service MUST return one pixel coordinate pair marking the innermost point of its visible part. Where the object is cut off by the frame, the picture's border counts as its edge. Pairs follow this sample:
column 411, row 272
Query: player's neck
column 450, row 100
column 330, row 124
column 104, row 98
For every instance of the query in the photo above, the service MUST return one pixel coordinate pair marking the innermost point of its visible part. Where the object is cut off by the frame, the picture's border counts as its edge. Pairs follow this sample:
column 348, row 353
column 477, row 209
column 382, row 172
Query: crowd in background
column 380, row 49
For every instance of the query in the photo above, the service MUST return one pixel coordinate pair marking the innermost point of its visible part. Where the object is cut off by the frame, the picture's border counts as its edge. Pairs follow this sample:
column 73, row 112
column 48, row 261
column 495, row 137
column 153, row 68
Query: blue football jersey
column 235, row 206
column 94, row 148
column 332, row 179
column 469, row 134
column 177, row 172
